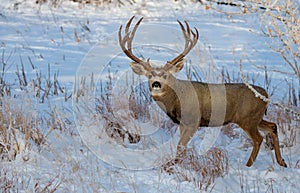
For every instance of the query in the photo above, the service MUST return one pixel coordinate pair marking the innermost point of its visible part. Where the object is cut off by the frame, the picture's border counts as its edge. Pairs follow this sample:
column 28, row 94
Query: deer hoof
column 282, row 163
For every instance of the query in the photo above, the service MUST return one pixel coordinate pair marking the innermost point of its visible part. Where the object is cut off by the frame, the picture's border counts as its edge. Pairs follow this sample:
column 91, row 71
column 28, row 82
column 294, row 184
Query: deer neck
column 169, row 101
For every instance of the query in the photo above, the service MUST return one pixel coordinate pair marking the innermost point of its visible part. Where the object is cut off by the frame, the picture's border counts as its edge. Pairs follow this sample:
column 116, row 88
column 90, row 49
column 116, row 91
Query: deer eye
column 150, row 76
column 156, row 85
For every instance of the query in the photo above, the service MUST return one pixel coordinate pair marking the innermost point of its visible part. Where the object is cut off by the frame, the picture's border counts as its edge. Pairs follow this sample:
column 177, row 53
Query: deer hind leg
column 257, row 139
column 269, row 127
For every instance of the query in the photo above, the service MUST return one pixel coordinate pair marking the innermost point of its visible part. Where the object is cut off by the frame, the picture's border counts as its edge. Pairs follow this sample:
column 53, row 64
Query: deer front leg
column 186, row 133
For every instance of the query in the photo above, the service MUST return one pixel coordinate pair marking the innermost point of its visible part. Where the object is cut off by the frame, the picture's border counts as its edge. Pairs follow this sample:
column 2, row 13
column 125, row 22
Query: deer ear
column 138, row 68
column 177, row 67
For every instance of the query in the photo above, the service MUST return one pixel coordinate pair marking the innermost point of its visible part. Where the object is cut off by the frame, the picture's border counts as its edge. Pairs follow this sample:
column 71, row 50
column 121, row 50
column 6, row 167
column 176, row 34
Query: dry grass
column 12, row 182
column 22, row 125
column 137, row 109
column 22, row 121
column 24, row 130
column 201, row 170
column 19, row 125
column 113, row 124
column 81, row 3
column 26, row 121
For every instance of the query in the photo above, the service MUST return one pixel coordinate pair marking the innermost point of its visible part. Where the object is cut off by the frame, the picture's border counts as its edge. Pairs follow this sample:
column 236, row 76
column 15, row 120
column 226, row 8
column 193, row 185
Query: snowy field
column 72, row 47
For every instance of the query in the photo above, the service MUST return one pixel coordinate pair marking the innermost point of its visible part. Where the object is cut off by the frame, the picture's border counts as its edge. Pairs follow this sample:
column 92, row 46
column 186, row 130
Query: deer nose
column 156, row 85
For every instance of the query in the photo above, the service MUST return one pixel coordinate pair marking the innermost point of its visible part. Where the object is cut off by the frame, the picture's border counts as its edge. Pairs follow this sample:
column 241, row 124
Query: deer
column 193, row 104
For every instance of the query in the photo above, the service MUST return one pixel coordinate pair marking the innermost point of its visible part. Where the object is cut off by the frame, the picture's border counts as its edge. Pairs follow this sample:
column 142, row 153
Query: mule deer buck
column 197, row 104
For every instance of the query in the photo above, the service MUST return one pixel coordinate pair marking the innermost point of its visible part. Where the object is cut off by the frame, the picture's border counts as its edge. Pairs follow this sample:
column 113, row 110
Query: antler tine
column 131, row 35
column 189, row 43
column 128, row 24
column 186, row 35
column 188, row 30
column 127, row 41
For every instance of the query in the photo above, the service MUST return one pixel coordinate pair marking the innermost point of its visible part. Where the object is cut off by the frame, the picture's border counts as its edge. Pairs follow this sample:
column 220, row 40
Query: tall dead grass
column 19, row 125
column 201, row 170
column 23, row 119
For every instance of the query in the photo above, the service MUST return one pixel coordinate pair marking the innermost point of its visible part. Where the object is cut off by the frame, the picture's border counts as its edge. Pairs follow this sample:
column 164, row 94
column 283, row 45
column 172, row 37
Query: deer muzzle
column 156, row 85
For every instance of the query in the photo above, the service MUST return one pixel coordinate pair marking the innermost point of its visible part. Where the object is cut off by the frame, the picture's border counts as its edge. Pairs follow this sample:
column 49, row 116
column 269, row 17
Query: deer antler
column 189, row 43
column 127, row 41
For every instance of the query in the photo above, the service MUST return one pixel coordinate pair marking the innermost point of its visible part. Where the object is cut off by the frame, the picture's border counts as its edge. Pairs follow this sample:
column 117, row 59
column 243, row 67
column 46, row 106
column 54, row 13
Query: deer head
column 159, row 78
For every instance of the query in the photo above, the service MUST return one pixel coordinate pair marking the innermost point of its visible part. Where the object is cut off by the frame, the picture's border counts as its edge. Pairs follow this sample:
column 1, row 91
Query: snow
column 80, row 40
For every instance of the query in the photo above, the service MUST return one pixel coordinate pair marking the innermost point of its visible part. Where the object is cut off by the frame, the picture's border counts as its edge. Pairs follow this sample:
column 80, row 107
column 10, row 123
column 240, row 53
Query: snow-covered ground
column 72, row 40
